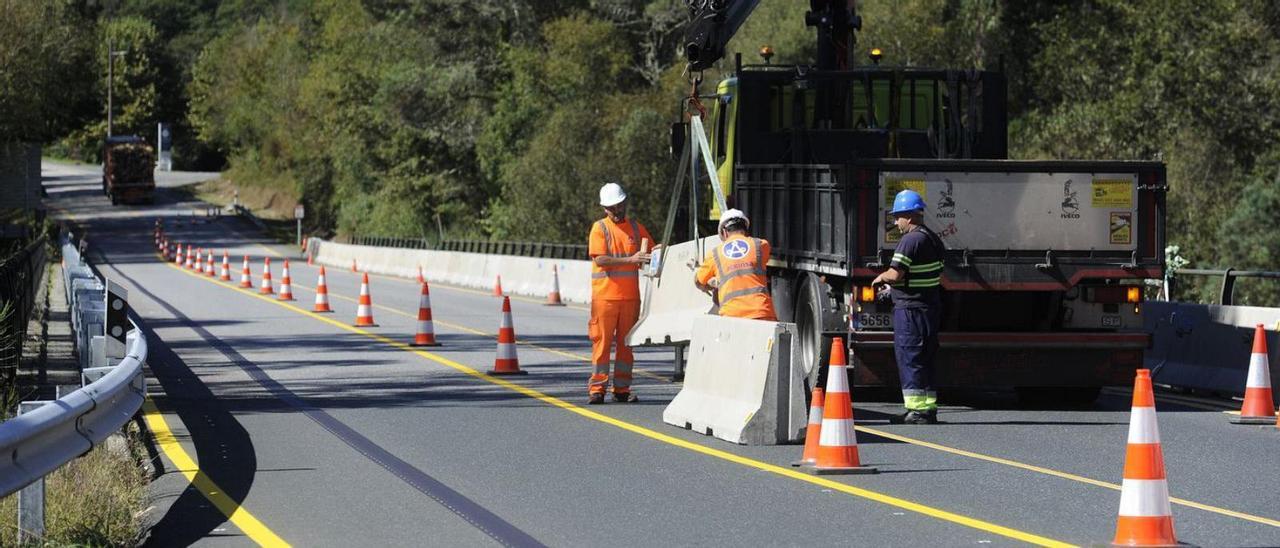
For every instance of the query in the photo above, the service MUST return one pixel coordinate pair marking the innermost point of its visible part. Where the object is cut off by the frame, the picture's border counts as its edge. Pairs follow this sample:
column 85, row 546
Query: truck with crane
column 1046, row 260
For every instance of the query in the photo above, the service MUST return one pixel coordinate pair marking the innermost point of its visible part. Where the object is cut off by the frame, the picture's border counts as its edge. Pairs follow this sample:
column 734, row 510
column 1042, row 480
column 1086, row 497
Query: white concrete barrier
column 740, row 385
column 672, row 301
column 520, row 275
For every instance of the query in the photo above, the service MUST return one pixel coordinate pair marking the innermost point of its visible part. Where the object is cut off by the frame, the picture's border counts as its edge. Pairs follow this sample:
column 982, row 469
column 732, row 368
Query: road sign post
column 117, row 322
column 298, row 213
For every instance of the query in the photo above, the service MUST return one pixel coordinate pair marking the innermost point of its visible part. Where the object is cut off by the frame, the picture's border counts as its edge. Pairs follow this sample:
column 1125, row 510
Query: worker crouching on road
column 618, row 247
column 915, row 278
column 734, row 271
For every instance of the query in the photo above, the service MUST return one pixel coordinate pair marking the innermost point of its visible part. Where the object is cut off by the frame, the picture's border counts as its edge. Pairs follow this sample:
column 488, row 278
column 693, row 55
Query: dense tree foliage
column 501, row 118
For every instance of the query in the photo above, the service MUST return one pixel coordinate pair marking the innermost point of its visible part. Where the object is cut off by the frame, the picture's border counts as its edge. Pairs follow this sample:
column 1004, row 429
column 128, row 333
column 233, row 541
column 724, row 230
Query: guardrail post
column 31, row 497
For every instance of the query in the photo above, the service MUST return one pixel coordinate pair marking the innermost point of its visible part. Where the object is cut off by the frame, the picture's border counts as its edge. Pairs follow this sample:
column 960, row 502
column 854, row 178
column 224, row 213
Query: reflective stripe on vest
column 615, row 274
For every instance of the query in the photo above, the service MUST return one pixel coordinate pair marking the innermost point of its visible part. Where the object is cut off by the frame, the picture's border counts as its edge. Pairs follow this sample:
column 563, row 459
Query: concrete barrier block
column 740, row 385
column 672, row 301
column 528, row 276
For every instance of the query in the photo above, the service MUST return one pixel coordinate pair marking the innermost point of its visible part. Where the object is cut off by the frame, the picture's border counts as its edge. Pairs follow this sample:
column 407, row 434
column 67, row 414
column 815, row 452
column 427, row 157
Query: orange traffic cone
column 199, row 265
column 265, row 287
column 225, row 275
column 364, row 312
column 1258, row 406
column 322, row 294
column 553, row 298
column 1145, row 516
column 208, row 266
column 837, row 442
column 421, row 280
column 246, row 279
column 353, row 265
column 286, row 284
column 187, row 265
column 506, row 362
column 426, row 335
column 177, row 256
column 813, row 432
column 497, row 287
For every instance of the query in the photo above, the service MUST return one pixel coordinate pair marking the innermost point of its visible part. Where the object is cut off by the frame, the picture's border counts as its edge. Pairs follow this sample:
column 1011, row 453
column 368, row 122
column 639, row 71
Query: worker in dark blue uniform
column 914, row 277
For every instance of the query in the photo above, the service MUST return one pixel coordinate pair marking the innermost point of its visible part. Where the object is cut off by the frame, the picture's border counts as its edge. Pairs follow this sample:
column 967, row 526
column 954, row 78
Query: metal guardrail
column 1229, row 276
column 21, row 274
column 518, row 249
column 40, row 441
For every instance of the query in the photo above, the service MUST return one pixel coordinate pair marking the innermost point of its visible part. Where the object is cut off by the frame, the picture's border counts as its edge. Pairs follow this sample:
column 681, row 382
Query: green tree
column 46, row 69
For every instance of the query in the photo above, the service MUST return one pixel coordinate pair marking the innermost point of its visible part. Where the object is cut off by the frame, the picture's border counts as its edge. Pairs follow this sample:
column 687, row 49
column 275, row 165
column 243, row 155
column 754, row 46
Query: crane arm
column 711, row 24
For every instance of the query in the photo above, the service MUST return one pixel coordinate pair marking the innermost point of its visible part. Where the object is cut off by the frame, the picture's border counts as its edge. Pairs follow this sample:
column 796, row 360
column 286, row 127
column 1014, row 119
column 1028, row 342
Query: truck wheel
column 115, row 200
column 810, row 308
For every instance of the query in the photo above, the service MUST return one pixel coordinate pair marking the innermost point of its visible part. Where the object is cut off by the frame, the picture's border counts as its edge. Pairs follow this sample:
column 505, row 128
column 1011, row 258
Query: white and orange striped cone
column 1258, row 407
column 364, row 312
column 426, row 335
column 209, row 269
column 813, row 432
column 838, row 442
column 225, row 275
column 178, row 258
column 246, row 278
column 506, row 362
column 322, row 294
column 353, row 266
column 164, row 250
column 265, row 287
column 553, row 298
column 497, row 287
column 199, row 264
column 1146, row 518
column 421, row 280
column 187, row 264
column 286, row 284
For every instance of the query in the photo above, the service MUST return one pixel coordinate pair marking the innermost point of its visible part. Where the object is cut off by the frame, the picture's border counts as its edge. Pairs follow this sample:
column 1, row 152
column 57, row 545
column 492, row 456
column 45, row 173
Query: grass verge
column 98, row 499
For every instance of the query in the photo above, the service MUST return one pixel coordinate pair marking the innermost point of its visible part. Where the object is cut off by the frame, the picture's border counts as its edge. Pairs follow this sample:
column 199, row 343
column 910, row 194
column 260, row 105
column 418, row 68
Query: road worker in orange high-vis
column 734, row 271
column 618, row 247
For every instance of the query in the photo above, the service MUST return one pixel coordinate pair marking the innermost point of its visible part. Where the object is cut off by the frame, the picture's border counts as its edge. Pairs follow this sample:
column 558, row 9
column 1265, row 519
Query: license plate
column 867, row 320
column 1110, row 320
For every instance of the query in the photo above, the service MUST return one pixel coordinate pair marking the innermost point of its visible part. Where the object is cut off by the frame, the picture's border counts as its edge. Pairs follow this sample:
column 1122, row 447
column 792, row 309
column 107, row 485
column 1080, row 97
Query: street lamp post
column 111, row 82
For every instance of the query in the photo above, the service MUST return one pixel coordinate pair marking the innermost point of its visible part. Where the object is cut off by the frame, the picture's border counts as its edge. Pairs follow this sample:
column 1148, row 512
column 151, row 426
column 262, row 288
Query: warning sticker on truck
column 1121, row 227
column 1113, row 193
column 893, row 186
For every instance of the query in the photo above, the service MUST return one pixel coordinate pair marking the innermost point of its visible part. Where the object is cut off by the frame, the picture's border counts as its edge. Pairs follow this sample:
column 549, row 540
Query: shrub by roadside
column 96, row 500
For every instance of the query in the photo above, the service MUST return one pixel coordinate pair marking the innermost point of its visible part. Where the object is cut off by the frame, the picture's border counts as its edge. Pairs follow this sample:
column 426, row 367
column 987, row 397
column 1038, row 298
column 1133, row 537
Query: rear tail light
column 866, row 294
column 1133, row 294
column 1113, row 294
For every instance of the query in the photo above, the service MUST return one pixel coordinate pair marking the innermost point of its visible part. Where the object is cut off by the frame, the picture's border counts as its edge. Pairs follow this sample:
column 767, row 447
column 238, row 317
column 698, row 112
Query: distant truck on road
column 128, row 169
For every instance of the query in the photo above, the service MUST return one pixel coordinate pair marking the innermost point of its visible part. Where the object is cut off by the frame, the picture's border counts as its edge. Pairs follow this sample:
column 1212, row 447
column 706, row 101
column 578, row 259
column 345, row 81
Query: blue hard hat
column 907, row 201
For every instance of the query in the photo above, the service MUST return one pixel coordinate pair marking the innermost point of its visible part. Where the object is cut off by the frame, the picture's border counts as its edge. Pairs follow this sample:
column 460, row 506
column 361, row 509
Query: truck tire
column 810, row 309
column 115, row 200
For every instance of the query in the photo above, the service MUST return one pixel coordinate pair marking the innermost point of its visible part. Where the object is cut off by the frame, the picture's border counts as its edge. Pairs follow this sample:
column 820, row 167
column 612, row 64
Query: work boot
column 919, row 417
column 625, row 397
column 596, row 398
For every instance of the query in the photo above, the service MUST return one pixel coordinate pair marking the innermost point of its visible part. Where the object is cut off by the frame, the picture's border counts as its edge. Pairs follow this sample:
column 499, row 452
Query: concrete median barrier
column 740, row 385
column 527, row 276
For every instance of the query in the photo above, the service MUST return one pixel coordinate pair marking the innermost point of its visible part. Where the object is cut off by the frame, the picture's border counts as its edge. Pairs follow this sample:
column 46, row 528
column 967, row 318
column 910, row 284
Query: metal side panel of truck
column 1043, row 274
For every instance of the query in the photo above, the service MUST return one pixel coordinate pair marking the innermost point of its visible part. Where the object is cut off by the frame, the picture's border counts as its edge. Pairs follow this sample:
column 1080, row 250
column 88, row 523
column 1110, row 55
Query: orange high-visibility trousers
column 609, row 325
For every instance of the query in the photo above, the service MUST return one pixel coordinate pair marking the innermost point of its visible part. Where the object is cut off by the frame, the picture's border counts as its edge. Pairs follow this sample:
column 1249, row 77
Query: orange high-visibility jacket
column 739, row 264
column 620, row 282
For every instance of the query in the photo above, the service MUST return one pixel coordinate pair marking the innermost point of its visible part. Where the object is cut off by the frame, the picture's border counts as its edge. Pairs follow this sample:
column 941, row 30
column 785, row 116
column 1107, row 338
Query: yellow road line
column 1058, row 474
column 184, row 463
column 664, row 438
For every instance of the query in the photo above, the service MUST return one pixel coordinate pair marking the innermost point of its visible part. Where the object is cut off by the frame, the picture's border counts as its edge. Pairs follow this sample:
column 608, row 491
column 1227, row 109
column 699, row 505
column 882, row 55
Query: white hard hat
column 731, row 214
column 612, row 194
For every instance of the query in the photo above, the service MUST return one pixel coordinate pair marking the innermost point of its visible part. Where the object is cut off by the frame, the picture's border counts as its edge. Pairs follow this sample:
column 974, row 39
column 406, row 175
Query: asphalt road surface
column 276, row 425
